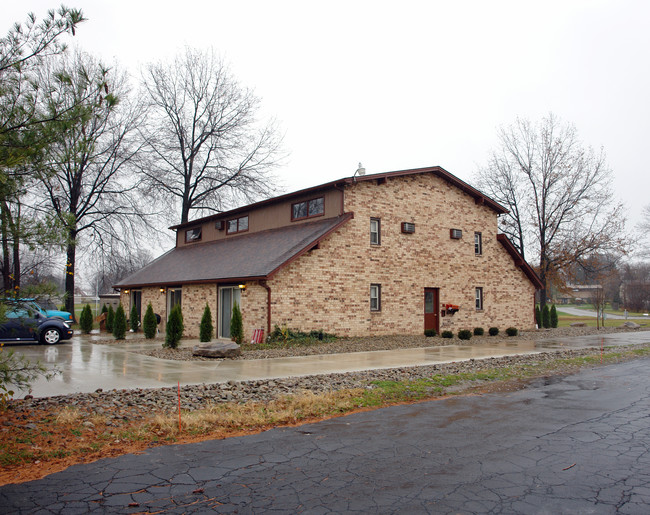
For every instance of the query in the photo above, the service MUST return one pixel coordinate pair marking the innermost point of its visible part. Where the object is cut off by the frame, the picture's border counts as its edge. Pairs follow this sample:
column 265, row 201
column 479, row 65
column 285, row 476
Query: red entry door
column 432, row 309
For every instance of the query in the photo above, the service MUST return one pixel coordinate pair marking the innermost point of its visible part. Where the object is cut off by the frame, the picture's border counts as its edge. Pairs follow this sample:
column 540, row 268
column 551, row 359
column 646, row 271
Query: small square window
column 479, row 299
column 478, row 244
column 375, row 234
column 193, row 235
column 375, row 297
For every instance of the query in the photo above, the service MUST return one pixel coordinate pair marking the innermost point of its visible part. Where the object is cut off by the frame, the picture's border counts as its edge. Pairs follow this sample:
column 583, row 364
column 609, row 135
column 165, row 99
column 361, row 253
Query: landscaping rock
column 578, row 324
column 217, row 350
column 631, row 325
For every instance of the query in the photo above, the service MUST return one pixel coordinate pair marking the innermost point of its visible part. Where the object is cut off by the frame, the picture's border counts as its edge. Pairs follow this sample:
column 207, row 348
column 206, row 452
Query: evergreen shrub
column 119, row 323
column 175, row 328
column 206, row 329
column 478, row 331
column 149, row 323
column 464, row 334
column 86, row 319
column 493, row 331
column 512, row 331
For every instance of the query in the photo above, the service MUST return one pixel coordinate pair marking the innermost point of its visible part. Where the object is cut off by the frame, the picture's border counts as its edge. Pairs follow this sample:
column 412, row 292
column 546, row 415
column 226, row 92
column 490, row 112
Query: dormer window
column 237, row 225
column 192, row 235
column 308, row 208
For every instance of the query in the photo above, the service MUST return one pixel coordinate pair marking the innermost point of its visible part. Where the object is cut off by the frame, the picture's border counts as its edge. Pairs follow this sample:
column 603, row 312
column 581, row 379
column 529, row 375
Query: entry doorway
column 432, row 309
column 228, row 295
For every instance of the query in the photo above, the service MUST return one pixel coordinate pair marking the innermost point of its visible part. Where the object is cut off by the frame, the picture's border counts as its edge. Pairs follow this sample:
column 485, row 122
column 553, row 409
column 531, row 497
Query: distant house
column 388, row 253
column 578, row 293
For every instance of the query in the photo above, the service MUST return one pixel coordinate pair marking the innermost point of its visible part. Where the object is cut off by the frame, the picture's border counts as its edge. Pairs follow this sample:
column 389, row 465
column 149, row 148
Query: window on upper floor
column 375, row 231
column 308, row 208
column 236, row 225
column 478, row 244
column 479, row 299
column 192, row 235
column 375, row 297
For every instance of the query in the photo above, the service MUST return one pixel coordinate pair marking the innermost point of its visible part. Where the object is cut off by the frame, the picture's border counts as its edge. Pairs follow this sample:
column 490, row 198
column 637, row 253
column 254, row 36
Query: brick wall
column 328, row 288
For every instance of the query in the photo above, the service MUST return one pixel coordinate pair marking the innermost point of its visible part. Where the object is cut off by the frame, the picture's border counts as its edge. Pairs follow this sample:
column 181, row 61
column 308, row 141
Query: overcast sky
column 397, row 85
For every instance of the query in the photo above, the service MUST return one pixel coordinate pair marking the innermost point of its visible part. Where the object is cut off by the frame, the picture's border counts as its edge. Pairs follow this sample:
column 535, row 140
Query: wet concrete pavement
column 574, row 444
column 86, row 366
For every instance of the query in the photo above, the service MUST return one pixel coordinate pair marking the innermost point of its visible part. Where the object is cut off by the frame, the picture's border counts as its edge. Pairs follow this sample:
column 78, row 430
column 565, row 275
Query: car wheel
column 51, row 336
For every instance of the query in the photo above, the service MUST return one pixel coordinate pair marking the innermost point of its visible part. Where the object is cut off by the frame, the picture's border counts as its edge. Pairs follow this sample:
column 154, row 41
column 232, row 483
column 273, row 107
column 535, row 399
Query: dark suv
column 22, row 323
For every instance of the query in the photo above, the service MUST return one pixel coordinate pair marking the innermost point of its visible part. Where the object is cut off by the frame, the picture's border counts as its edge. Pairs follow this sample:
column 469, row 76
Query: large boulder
column 578, row 324
column 631, row 325
column 217, row 350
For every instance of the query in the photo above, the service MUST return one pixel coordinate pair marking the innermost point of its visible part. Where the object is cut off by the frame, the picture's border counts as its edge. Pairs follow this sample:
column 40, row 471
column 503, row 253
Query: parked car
column 23, row 323
column 45, row 310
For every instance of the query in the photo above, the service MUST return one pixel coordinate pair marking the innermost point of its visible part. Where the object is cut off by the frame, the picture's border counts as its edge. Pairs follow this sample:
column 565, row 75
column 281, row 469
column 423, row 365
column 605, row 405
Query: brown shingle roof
column 250, row 256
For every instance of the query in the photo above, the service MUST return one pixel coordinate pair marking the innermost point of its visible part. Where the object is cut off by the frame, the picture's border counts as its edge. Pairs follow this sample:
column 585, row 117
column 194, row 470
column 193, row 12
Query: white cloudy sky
column 397, row 85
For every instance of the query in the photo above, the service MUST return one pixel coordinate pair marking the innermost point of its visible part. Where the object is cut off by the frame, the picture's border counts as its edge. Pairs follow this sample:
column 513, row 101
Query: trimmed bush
column 493, row 331
column 512, row 331
column 554, row 319
column 149, row 323
column 110, row 318
column 119, row 323
column 104, row 309
column 134, row 319
column 478, row 331
column 546, row 317
column 429, row 332
column 447, row 334
column 538, row 316
column 206, row 329
column 236, row 325
column 464, row 334
column 175, row 328
column 86, row 319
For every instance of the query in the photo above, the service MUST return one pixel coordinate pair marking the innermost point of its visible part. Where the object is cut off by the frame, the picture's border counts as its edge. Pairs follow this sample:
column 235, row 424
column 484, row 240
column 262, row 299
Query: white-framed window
column 479, row 299
column 478, row 243
column 375, row 297
column 375, row 234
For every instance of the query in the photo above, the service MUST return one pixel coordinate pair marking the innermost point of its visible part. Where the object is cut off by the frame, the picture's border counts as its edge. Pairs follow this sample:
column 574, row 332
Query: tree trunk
column 69, row 274
column 6, row 269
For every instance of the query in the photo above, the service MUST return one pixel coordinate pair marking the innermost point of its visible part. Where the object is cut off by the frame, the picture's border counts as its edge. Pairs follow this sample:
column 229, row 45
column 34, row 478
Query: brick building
column 389, row 253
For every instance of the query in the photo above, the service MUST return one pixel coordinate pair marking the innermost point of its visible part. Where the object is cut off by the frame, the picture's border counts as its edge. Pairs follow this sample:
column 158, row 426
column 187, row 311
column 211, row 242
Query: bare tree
column 207, row 151
column 85, row 175
column 559, row 194
column 117, row 265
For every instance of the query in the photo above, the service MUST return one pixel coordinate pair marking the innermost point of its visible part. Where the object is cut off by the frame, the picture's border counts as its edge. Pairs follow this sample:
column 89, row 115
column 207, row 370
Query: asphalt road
column 575, row 444
column 587, row 313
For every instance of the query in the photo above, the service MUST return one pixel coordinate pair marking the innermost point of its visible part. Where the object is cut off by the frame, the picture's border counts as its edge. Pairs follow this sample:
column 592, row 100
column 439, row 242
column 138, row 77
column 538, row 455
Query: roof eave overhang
column 520, row 262
column 479, row 197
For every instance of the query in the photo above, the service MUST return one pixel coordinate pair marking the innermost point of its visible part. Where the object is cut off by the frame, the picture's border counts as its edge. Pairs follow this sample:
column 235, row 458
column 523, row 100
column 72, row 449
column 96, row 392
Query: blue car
column 49, row 313
column 24, row 324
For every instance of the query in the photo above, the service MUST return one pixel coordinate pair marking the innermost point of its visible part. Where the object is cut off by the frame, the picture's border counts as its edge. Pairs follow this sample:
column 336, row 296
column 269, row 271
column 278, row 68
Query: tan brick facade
column 328, row 287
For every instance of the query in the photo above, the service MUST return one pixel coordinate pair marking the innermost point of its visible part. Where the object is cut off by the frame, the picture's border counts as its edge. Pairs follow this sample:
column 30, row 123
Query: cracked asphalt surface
column 574, row 444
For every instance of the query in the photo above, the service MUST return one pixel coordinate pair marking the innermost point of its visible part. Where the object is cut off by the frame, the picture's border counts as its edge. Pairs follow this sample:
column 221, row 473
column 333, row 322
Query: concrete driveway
column 87, row 366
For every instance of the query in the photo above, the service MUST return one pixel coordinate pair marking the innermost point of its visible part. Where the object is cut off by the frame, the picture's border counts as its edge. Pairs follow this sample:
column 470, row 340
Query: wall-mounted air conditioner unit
column 408, row 227
column 456, row 234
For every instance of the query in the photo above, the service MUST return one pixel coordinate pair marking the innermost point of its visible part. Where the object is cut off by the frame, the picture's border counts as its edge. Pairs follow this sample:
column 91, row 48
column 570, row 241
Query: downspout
column 264, row 285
